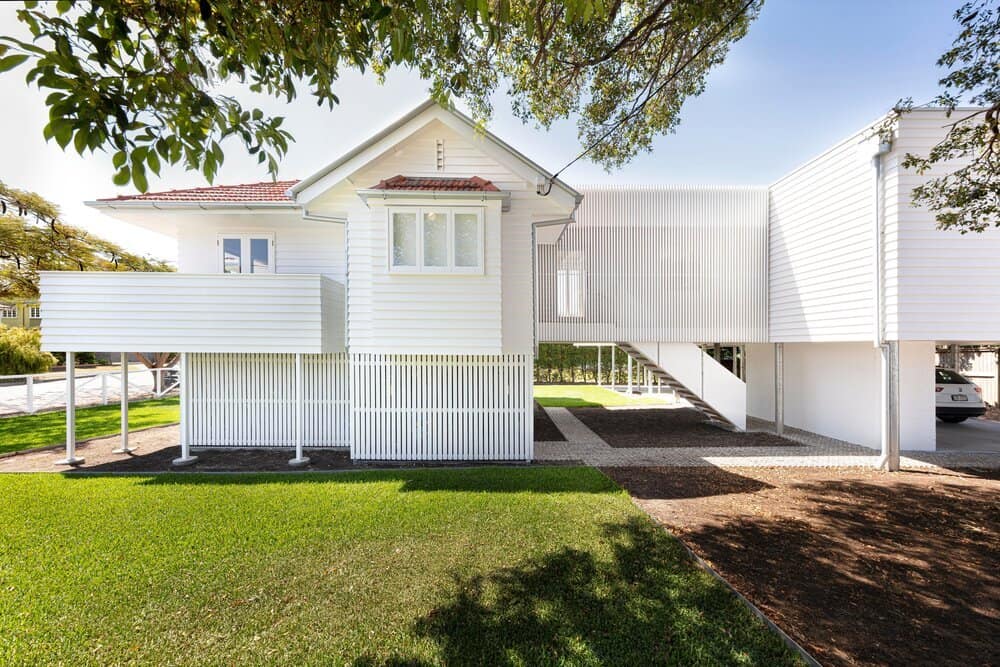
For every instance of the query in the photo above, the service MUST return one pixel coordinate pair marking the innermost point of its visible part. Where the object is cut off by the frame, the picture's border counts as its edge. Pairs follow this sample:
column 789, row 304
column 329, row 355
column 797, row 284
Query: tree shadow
column 473, row 479
column 865, row 572
column 645, row 603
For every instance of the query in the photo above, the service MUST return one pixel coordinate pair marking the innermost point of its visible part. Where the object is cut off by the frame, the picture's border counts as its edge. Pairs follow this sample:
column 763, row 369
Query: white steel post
column 649, row 382
column 613, row 369
column 889, row 458
column 630, row 373
column 104, row 388
column 300, row 458
column 185, row 458
column 598, row 365
column 71, row 458
column 124, row 448
column 29, row 385
column 779, row 388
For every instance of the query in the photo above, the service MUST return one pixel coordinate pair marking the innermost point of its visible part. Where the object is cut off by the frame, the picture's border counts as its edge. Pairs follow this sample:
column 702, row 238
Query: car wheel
column 953, row 420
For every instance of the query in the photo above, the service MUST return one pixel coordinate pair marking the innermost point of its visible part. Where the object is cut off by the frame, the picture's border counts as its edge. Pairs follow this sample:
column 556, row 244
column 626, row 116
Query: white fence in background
column 410, row 407
column 38, row 393
column 248, row 400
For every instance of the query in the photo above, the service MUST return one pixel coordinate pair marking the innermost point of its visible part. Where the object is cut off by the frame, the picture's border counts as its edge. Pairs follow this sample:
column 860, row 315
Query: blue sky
column 808, row 73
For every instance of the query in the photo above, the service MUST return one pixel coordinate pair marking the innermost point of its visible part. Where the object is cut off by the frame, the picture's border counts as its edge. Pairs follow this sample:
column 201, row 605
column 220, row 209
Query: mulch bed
column 659, row 427
column 545, row 430
column 859, row 566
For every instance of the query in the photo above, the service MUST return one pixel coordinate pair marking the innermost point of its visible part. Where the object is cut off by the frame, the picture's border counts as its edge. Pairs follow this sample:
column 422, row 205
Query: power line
column 627, row 117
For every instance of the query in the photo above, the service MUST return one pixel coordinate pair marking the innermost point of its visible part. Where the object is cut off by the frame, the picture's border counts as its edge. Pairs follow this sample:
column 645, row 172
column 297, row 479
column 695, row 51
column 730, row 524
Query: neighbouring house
column 18, row 313
column 391, row 303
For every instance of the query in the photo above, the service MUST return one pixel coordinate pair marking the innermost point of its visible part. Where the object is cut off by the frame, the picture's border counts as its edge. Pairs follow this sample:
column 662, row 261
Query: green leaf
column 139, row 177
column 119, row 159
column 122, row 176
column 63, row 133
column 10, row 62
column 80, row 140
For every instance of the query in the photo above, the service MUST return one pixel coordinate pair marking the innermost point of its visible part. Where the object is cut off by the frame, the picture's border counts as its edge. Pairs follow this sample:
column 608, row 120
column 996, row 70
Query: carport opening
column 967, row 379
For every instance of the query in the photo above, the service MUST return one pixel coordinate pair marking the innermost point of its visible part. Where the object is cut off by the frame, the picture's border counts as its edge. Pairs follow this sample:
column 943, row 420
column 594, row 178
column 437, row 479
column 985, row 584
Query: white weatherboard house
column 391, row 303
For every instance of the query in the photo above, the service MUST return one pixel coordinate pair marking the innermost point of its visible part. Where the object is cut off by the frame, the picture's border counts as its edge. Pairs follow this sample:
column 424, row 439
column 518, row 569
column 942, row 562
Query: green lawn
column 586, row 396
column 49, row 428
column 487, row 566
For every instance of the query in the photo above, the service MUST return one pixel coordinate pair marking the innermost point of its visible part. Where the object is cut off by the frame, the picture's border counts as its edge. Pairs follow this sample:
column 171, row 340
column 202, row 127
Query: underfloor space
column 972, row 435
column 858, row 566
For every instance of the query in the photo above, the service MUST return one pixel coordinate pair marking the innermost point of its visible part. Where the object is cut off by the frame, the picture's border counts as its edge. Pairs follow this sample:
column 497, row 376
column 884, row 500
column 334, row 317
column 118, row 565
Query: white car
column 958, row 397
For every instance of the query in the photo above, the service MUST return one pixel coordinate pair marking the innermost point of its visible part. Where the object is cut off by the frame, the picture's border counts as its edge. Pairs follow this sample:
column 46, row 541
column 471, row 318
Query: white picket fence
column 28, row 394
column 248, row 400
column 442, row 407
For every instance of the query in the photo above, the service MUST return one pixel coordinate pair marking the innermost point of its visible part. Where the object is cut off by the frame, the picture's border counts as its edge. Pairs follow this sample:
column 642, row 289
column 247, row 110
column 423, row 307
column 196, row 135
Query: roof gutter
column 139, row 204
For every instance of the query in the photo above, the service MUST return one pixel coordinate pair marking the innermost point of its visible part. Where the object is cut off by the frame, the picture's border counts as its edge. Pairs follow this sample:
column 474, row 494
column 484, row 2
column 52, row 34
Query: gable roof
column 452, row 117
column 423, row 183
column 266, row 191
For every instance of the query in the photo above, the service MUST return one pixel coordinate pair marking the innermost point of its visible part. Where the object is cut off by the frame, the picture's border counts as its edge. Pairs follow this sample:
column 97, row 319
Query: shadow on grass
column 566, row 402
column 663, row 483
column 490, row 479
column 645, row 603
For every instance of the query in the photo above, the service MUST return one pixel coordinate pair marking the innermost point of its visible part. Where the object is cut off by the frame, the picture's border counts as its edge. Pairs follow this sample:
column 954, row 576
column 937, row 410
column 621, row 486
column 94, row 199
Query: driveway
column 972, row 435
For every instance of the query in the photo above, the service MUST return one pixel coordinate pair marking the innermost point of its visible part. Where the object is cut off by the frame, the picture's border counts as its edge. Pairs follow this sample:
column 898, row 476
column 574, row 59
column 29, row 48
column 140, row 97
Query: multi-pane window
column 246, row 253
column 8, row 312
column 436, row 240
column 34, row 312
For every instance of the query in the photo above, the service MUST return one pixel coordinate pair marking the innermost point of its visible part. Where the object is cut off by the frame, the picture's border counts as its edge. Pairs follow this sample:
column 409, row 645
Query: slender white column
column 300, row 458
column 185, row 458
column 71, row 458
column 630, row 373
column 613, row 369
column 124, row 448
column 889, row 458
column 598, row 365
column 779, row 388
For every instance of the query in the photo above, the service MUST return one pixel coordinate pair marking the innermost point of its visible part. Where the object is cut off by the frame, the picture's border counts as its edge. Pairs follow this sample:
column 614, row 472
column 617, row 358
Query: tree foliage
column 968, row 197
column 21, row 351
column 33, row 239
column 142, row 79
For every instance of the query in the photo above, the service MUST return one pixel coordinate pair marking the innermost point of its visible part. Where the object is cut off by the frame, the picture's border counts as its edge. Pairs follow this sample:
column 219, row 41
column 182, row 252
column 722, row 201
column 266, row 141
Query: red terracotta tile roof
column 400, row 182
column 267, row 191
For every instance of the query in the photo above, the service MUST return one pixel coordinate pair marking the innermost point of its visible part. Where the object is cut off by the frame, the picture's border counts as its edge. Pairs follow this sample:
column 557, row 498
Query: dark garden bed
column 860, row 567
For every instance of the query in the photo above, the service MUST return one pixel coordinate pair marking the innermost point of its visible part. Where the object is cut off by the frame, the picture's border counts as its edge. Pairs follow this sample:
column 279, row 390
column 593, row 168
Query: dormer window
column 436, row 239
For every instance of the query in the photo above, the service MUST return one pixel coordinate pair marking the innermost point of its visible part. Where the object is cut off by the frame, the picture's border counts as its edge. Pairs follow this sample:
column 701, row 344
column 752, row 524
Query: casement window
column 8, row 312
column 35, row 312
column 436, row 240
column 246, row 253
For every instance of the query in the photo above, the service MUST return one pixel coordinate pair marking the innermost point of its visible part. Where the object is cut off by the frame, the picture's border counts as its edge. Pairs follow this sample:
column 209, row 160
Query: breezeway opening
column 979, row 364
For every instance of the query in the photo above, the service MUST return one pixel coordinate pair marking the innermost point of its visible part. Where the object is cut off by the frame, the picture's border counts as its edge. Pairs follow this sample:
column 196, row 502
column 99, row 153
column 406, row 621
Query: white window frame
column 35, row 312
column 8, row 312
column 245, row 238
column 450, row 212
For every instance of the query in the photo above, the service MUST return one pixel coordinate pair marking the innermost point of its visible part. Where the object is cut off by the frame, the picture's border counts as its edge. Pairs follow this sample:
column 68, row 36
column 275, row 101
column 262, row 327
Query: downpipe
column 888, row 350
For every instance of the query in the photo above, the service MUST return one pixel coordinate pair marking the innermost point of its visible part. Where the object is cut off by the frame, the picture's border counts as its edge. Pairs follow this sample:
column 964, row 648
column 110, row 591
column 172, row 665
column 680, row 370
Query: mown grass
column 587, row 396
column 49, row 428
column 461, row 567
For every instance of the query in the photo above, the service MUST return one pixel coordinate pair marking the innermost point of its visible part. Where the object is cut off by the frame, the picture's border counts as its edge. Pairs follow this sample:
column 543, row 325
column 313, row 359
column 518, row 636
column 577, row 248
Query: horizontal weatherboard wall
column 435, row 407
column 122, row 311
column 249, row 400
column 668, row 264
column 822, row 247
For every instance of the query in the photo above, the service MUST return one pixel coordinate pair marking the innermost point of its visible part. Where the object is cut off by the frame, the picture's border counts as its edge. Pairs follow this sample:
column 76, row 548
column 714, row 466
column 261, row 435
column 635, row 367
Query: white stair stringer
column 696, row 377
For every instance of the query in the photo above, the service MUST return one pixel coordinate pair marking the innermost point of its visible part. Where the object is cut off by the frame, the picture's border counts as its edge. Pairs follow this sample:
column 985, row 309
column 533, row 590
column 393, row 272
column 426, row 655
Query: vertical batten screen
column 667, row 264
column 441, row 407
column 248, row 400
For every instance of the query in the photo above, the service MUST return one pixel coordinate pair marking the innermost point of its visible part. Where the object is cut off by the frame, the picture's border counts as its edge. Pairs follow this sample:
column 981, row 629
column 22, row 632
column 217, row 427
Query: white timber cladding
column 822, row 247
column 667, row 264
column 300, row 246
column 183, row 312
column 941, row 285
column 384, row 314
column 248, row 400
column 441, row 407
